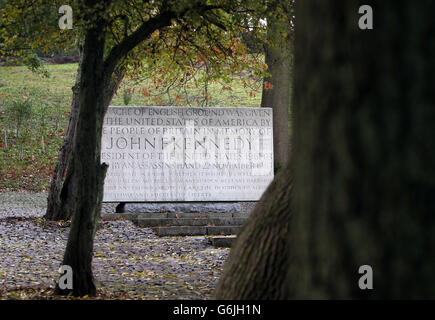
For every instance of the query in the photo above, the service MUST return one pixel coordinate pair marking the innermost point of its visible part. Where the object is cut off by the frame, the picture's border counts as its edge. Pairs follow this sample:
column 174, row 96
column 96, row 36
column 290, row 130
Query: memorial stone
column 165, row 154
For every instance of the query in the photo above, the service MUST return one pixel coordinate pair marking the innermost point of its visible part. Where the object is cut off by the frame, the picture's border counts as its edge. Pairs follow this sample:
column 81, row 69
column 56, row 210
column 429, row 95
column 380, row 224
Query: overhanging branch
column 143, row 32
column 129, row 43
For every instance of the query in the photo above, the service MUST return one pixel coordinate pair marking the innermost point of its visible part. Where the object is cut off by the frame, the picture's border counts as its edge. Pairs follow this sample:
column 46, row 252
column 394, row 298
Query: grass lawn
column 34, row 114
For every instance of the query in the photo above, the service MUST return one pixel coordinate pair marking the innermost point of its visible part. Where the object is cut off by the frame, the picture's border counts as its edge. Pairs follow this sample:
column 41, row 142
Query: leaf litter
column 129, row 262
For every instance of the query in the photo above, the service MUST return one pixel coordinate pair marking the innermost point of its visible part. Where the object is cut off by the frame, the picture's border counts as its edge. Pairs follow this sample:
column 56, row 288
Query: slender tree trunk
column 276, row 89
column 362, row 160
column 60, row 202
column 87, row 178
column 54, row 200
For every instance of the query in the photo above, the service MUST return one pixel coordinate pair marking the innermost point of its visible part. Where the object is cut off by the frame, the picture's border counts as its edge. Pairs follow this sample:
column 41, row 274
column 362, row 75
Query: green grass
column 27, row 159
column 220, row 94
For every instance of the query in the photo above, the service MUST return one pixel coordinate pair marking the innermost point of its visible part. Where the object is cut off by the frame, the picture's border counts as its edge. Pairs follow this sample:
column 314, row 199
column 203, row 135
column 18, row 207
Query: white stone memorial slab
column 187, row 154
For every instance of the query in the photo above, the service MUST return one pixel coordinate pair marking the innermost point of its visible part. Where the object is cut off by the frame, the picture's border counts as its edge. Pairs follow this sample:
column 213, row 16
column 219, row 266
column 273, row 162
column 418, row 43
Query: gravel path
column 129, row 262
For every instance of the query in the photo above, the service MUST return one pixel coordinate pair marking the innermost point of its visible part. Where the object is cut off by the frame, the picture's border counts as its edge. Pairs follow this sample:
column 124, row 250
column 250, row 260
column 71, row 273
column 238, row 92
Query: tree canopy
column 170, row 39
column 166, row 40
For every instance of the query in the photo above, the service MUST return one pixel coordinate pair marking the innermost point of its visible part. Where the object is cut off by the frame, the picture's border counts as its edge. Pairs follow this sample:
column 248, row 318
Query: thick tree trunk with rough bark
column 364, row 151
column 362, row 162
column 257, row 262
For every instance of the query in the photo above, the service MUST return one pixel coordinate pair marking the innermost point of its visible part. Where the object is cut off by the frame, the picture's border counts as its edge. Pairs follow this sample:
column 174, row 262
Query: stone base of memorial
column 189, row 207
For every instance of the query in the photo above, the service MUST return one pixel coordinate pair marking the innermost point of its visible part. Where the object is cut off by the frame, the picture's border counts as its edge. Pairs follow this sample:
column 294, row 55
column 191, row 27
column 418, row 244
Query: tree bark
column 278, row 57
column 54, row 200
column 362, row 160
column 256, row 263
column 59, row 201
column 364, row 151
column 87, row 176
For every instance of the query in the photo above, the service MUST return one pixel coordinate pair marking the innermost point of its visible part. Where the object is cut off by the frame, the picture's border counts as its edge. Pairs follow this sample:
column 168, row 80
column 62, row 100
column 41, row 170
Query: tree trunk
column 278, row 57
column 364, row 151
column 87, row 178
column 362, row 160
column 256, row 263
column 59, row 201
column 54, row 200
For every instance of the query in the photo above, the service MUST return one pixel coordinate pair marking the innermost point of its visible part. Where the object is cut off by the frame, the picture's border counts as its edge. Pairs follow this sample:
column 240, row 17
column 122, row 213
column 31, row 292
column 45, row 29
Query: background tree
column 26, row 28
column 276, row 87
column 362, row 163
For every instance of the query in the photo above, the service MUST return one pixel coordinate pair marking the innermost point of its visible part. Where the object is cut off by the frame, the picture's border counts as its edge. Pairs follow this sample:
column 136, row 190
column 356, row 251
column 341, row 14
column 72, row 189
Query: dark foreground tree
column 362, row 163
column 258, row 260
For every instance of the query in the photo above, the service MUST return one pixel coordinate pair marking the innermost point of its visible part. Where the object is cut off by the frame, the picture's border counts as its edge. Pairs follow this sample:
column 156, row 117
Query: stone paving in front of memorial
column 129, row 262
